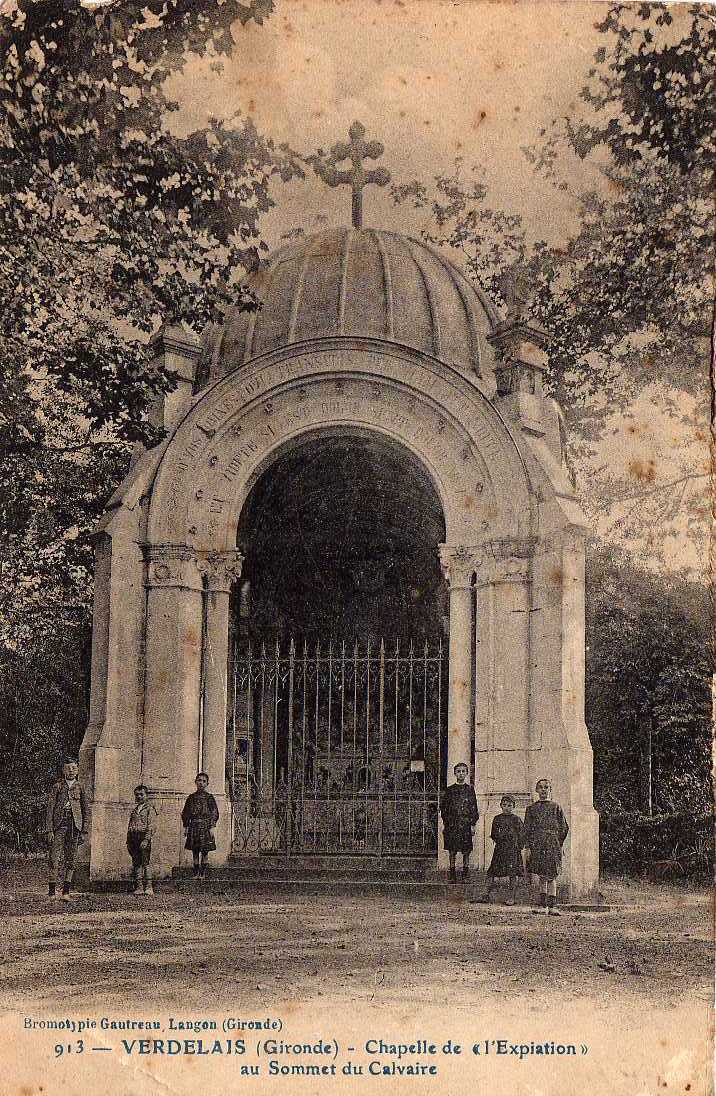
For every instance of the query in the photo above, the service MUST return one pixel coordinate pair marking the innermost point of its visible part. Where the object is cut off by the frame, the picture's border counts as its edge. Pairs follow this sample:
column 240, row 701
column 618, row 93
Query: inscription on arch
column 228, row 438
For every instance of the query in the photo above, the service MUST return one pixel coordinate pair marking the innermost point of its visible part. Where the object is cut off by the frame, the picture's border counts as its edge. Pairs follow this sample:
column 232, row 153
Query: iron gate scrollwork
column 336, row 749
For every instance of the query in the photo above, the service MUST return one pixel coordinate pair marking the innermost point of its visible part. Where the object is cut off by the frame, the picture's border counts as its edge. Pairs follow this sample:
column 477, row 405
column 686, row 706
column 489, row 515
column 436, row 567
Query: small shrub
column 676, row 845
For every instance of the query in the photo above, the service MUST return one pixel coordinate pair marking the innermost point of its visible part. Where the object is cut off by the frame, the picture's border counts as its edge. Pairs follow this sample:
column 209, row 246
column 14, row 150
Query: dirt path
column 652, row 953
column 656, row 944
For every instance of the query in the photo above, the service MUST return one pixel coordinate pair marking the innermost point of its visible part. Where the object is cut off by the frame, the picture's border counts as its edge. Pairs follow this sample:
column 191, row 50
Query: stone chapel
column 356, row 559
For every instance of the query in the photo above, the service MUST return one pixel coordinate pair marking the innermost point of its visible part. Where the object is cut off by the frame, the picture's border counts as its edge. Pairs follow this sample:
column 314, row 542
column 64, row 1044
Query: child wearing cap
column 66, row 826
column 140, row 830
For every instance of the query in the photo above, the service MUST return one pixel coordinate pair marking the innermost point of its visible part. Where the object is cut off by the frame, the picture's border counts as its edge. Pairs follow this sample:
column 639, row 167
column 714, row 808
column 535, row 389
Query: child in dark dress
column 199, row 817
column 545, row 832
column 506, row 860
column 458, row 809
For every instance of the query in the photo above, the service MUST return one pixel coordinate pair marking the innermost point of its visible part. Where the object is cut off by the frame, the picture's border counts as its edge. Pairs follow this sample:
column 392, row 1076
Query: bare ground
column 655, row 943
column 197, row 949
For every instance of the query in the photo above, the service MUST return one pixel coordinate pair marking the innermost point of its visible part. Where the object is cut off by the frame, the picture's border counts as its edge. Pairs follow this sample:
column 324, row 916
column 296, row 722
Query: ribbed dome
column 361, row 282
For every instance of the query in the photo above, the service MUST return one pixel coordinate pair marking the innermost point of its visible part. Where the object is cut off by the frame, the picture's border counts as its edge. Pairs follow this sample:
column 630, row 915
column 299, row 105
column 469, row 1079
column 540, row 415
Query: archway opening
column 340, row 540
column 339, row 654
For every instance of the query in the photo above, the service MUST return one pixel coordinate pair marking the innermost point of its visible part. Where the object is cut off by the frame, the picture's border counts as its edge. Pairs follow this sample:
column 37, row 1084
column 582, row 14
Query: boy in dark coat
column 66, row 826
column 545, row 832
column 458, row 809
column 199, row 817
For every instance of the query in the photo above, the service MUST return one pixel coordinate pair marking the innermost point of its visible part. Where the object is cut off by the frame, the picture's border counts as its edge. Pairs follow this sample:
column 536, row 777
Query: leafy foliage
column 666, row 846
column 43, row 700
column 627, row 298
column 661, row 82
column 649, row 661
column 643, row 258
column 110, row 223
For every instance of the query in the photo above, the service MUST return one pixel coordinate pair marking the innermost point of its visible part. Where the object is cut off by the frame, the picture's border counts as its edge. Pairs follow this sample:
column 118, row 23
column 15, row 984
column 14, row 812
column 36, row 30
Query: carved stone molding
column 574, row 536
column 506, row 559
column 221, row 569
column 172, row 566
column 438, row 416
column 459, row 563
column 178, row 566
column 510, row 570
column 571, row 536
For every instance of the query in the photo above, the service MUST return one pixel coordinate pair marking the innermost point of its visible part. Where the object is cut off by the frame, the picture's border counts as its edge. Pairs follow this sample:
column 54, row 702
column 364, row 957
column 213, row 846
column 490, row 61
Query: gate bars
column 336, row 750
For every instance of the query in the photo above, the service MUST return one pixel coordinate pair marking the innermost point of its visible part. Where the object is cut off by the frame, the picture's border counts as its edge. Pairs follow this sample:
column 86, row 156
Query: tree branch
column 645, row 492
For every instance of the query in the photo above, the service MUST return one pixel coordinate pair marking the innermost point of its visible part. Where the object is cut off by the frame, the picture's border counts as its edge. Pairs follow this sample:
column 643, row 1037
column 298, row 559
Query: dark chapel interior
column 340, row 540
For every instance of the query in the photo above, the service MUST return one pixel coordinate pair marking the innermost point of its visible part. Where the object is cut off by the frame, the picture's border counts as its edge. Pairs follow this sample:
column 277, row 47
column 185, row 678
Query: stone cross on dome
column 356, row 176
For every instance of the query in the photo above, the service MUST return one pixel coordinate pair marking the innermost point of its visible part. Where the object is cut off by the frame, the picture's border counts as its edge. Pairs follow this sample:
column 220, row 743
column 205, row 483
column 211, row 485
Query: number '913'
column 69, row 1048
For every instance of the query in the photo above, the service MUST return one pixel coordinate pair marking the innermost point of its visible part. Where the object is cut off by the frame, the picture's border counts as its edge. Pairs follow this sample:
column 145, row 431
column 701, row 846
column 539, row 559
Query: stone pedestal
column 110, row 755
column 560, row 747
column 502, row 716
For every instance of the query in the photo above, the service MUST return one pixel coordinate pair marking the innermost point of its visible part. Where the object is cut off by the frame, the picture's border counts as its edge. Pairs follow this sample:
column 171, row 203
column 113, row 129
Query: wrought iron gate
column 336, row 749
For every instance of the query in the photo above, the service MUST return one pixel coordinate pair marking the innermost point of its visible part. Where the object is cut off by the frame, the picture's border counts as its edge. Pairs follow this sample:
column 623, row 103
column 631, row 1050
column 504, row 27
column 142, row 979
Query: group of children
column 529, row 848
column 67, row 827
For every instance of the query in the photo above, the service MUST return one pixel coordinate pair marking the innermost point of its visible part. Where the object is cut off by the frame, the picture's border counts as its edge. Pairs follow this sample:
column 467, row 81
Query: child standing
column 506, row 863
column 545, row 832
column 142, row 824
column 458, row 809
column 199, row 817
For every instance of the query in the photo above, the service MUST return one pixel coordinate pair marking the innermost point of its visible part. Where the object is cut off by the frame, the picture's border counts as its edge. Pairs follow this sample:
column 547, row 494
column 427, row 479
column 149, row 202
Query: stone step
column 306, row 874
column 318, row 868
column 346, row 862
column 397, row 889
column 434, row 887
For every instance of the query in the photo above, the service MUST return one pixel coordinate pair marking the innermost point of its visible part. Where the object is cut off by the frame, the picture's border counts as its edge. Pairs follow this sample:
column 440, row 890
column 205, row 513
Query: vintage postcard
column 356, row 634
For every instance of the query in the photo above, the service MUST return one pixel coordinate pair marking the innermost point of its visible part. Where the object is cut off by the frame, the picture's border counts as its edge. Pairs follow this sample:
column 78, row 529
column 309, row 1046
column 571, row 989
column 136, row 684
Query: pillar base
column 108, row 775
column 580, row 856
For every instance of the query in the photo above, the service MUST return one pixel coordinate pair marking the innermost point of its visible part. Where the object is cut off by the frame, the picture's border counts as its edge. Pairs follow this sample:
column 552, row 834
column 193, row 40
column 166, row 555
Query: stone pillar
column 219, row 571
column 502, row 717
column 170, row 748
column 560, row 749
column 558, row 746
column 110, row 755
column 458, row 564
column 178, row 350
